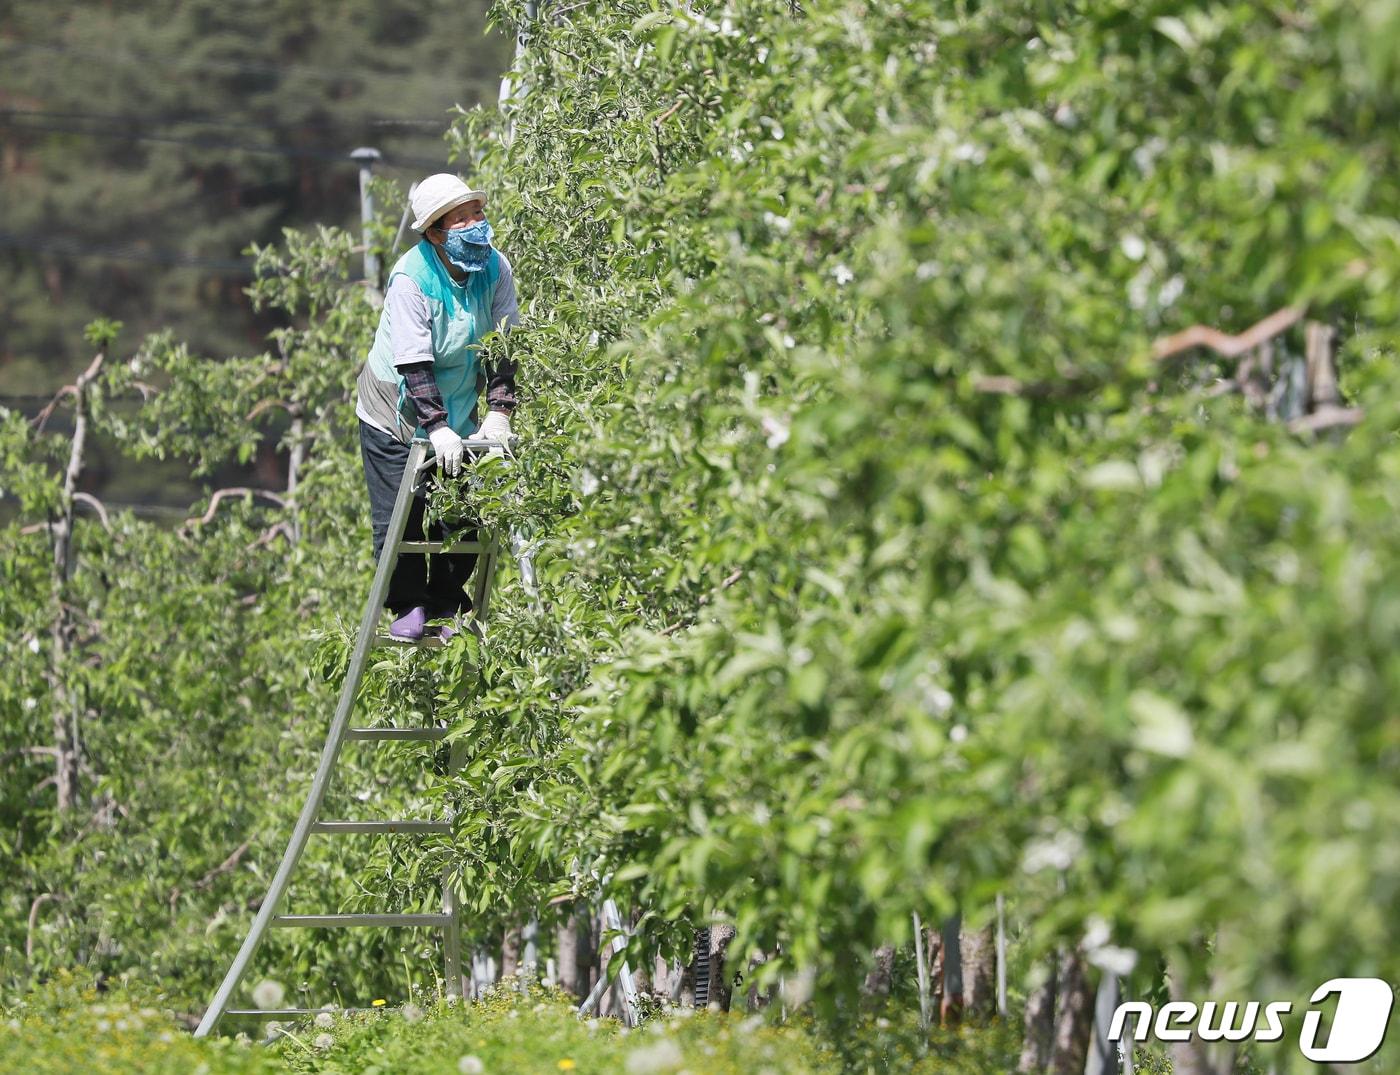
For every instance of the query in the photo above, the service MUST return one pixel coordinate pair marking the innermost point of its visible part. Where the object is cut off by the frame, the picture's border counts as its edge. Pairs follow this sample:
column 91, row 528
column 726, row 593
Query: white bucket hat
column 436, row 195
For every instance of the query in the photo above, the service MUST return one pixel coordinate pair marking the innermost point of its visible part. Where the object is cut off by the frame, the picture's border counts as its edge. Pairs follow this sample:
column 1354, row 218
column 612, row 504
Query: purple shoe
column 409, row 626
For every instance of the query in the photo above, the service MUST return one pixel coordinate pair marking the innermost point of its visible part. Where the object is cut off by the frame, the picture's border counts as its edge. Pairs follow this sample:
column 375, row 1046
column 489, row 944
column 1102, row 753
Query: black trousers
column 437, row 582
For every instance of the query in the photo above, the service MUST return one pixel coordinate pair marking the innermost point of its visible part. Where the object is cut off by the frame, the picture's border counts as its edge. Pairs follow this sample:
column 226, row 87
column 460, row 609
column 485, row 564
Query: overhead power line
column 305, row 152
column 350, row 124
column 200, row 62
column 79, row 250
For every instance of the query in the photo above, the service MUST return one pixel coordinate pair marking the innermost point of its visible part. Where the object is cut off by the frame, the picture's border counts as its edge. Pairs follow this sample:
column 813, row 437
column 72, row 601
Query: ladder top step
column 325, row 921
column 287, row 1013
column 426, row 642
column 404, row 825
column 458, row 548
column 397, row 733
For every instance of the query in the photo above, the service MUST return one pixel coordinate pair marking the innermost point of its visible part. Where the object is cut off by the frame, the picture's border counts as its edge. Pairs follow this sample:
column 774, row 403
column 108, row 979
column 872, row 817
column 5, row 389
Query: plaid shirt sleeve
column 505, row 312
column 426, row 397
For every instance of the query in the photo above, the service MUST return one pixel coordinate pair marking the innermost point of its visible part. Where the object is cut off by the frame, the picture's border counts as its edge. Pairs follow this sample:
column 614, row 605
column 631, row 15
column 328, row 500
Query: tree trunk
column 951, row 1009
column 67, row 732
column 568, row 946
column 979, row 952
column 933, row 941
column 720, row 986
column 1075, row 1020
column 294, row 463
column 1194, row 1056
column 1039, row 1027
column 510, row 951
column 881, row 976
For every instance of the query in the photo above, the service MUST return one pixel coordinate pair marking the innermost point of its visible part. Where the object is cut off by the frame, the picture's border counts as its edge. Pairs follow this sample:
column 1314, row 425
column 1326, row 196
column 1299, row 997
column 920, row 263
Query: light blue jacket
column 460, row 316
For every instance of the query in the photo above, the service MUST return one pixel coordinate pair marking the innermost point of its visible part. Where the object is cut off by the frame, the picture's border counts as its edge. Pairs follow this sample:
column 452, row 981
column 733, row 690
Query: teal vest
column 461, row 315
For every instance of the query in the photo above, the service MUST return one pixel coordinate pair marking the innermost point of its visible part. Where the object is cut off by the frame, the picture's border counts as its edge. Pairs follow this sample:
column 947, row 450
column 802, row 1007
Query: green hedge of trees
column 895, row 552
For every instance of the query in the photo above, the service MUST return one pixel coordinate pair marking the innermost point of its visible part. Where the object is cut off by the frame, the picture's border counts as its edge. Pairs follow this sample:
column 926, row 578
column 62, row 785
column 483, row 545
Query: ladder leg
column 368, row 625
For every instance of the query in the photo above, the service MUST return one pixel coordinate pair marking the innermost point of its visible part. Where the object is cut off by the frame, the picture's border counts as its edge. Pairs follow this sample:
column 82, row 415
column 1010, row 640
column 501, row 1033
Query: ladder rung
column 460, row 548
column 287, row 1013
column 322, row 921
column 426, row 642
column 396, row 734
column 381, row 826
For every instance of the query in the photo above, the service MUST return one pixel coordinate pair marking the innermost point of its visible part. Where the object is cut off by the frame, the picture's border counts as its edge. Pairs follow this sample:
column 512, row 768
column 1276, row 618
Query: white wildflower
column 927, row 270
column 31, row 703
column 325, row 1020
column 1065, row 116
column 1114, row 960
column 1171, row 291
column 969, row 151
column 471, row 1065
column 33, row 645
column 268, row 994
column 323, row 1041
column 781, row 224
column 1105, row 956
column 789, row 342
column 1055, row 852
column 843, row 274
column 957, row 733
column 411, row 1013
column 1145, row 156
column 776, row 431
column 1137, row 288
column 588, row 483
column 1133, row 247
column 664, row 1055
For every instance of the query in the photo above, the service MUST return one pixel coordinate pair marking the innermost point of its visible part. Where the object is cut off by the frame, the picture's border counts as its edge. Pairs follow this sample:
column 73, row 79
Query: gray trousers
column 437, row 583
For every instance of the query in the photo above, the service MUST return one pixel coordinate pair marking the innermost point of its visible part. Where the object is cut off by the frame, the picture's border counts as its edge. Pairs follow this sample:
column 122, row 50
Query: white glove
column 448, row 448
column 495, row 427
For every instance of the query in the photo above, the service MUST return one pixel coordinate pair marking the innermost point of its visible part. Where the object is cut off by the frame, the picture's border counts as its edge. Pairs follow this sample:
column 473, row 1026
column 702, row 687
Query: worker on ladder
column 423, row 378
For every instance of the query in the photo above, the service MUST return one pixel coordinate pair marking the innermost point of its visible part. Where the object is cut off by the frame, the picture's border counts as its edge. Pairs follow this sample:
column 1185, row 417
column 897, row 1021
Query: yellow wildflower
column 567, row 1065
column 379, row 1003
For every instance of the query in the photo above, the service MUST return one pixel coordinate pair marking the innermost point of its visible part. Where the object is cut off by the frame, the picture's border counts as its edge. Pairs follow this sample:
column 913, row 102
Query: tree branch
column 208, row 879
column 39, row 901
column 1222, row 343
column 222, row 494
column 96, row 505
column 1327, row 418
column 268, row 404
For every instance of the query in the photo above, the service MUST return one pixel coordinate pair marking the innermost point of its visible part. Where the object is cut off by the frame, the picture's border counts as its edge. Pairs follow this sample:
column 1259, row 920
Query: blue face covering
column 468, row 248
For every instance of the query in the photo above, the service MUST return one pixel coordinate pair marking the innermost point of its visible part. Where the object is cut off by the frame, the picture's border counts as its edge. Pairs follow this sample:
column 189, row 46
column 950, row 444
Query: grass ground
column 66, row 1029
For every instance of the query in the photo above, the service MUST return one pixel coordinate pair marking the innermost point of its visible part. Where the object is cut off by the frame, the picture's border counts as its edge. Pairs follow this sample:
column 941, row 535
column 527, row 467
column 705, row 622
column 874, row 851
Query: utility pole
column 366, row 157
column 508, row 89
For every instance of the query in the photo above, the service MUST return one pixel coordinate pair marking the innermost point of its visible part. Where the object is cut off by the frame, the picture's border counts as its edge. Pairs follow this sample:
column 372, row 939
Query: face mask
column 468, row 248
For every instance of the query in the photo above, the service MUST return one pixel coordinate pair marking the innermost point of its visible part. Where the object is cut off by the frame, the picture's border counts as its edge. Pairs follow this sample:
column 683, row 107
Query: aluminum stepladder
column 369, row 638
